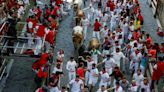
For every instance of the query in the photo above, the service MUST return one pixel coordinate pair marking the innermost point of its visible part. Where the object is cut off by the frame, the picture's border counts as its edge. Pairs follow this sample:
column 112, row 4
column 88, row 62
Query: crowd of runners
column 125, row 50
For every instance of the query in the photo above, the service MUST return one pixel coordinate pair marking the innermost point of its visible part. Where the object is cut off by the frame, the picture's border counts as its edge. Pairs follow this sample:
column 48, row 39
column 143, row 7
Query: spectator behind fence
column 158, row 70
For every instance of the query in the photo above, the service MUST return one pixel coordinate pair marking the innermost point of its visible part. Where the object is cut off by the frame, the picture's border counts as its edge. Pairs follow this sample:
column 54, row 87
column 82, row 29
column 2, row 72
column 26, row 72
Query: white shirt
column 138, row 78
column 119, row 89
column 105, row 17
column 109, row 63
column 89, row 64
column 132, row 43
column 93, row 73
column 133, row 88
column 104, row 77
column 146, row 87
column 104, row 32
column 98, row 13
column 54, row 89
column 76, row 86
column 60, row 55
column 56, row 70
column 136, row 57
column 114, row 47
column 85, row 22
column 113, row 18
column 131, row 28
column 71, row 66
column 125, row 28
column 99, row 90
column 30, row 24
column 117, row 56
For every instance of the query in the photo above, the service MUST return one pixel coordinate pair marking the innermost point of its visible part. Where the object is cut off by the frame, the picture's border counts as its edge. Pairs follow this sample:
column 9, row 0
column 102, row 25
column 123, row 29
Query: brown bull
column 79, row 16
column 93, row 43
column 77, row 36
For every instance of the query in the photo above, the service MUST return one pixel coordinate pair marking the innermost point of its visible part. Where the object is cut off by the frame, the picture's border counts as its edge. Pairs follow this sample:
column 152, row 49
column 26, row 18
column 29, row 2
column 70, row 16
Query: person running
column 77, row 84
column 85, row 24
column 93, row 78
column 105, row 79
column 71, row 67
column 96, row 30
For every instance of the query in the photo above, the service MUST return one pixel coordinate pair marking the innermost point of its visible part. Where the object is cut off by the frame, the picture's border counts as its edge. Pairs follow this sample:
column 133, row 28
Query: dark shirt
column 106, row 45
column 117, row 75
column 12, row 27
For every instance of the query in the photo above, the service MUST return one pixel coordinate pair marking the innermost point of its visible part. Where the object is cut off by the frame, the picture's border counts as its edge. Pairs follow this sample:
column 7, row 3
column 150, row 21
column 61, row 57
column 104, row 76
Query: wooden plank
column 33, row 57
column 19, row 37
column 4, row 61
column 2, row 26
column 4, row 69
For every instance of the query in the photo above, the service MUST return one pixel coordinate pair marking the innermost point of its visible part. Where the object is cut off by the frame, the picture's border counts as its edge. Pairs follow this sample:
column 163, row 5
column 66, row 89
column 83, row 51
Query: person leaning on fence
column 158, row 71
column 31, row 24
column 39, row 14
column 40, row 32
column 12, row 31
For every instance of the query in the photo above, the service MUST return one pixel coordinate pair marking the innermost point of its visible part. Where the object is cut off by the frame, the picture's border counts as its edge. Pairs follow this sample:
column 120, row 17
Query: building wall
column 160, row 11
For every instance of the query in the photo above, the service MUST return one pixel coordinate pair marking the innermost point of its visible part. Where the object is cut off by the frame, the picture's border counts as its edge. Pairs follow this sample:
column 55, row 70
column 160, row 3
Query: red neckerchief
column 106, row 42
column 103, row 71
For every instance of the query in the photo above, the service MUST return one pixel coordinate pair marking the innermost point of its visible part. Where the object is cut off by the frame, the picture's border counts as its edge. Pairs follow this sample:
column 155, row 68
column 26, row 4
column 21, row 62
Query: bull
column 77, row 11
column 77, row 37
column 93, row 43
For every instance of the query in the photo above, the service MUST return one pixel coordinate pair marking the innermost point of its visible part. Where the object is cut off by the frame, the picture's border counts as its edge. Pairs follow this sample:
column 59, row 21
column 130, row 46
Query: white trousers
column 95, row 58
column 38, row 45
column 105, row 52
column 86, row 77
column 85, row 31
column 109, row 70
column 29, row 35
column 47, row 46
column 26, row 2
column 112, row 26
column 142, row 69
column 71, row 75
column 103, row 83
column 93, row 81
column 117, row 63
column 96, row 34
